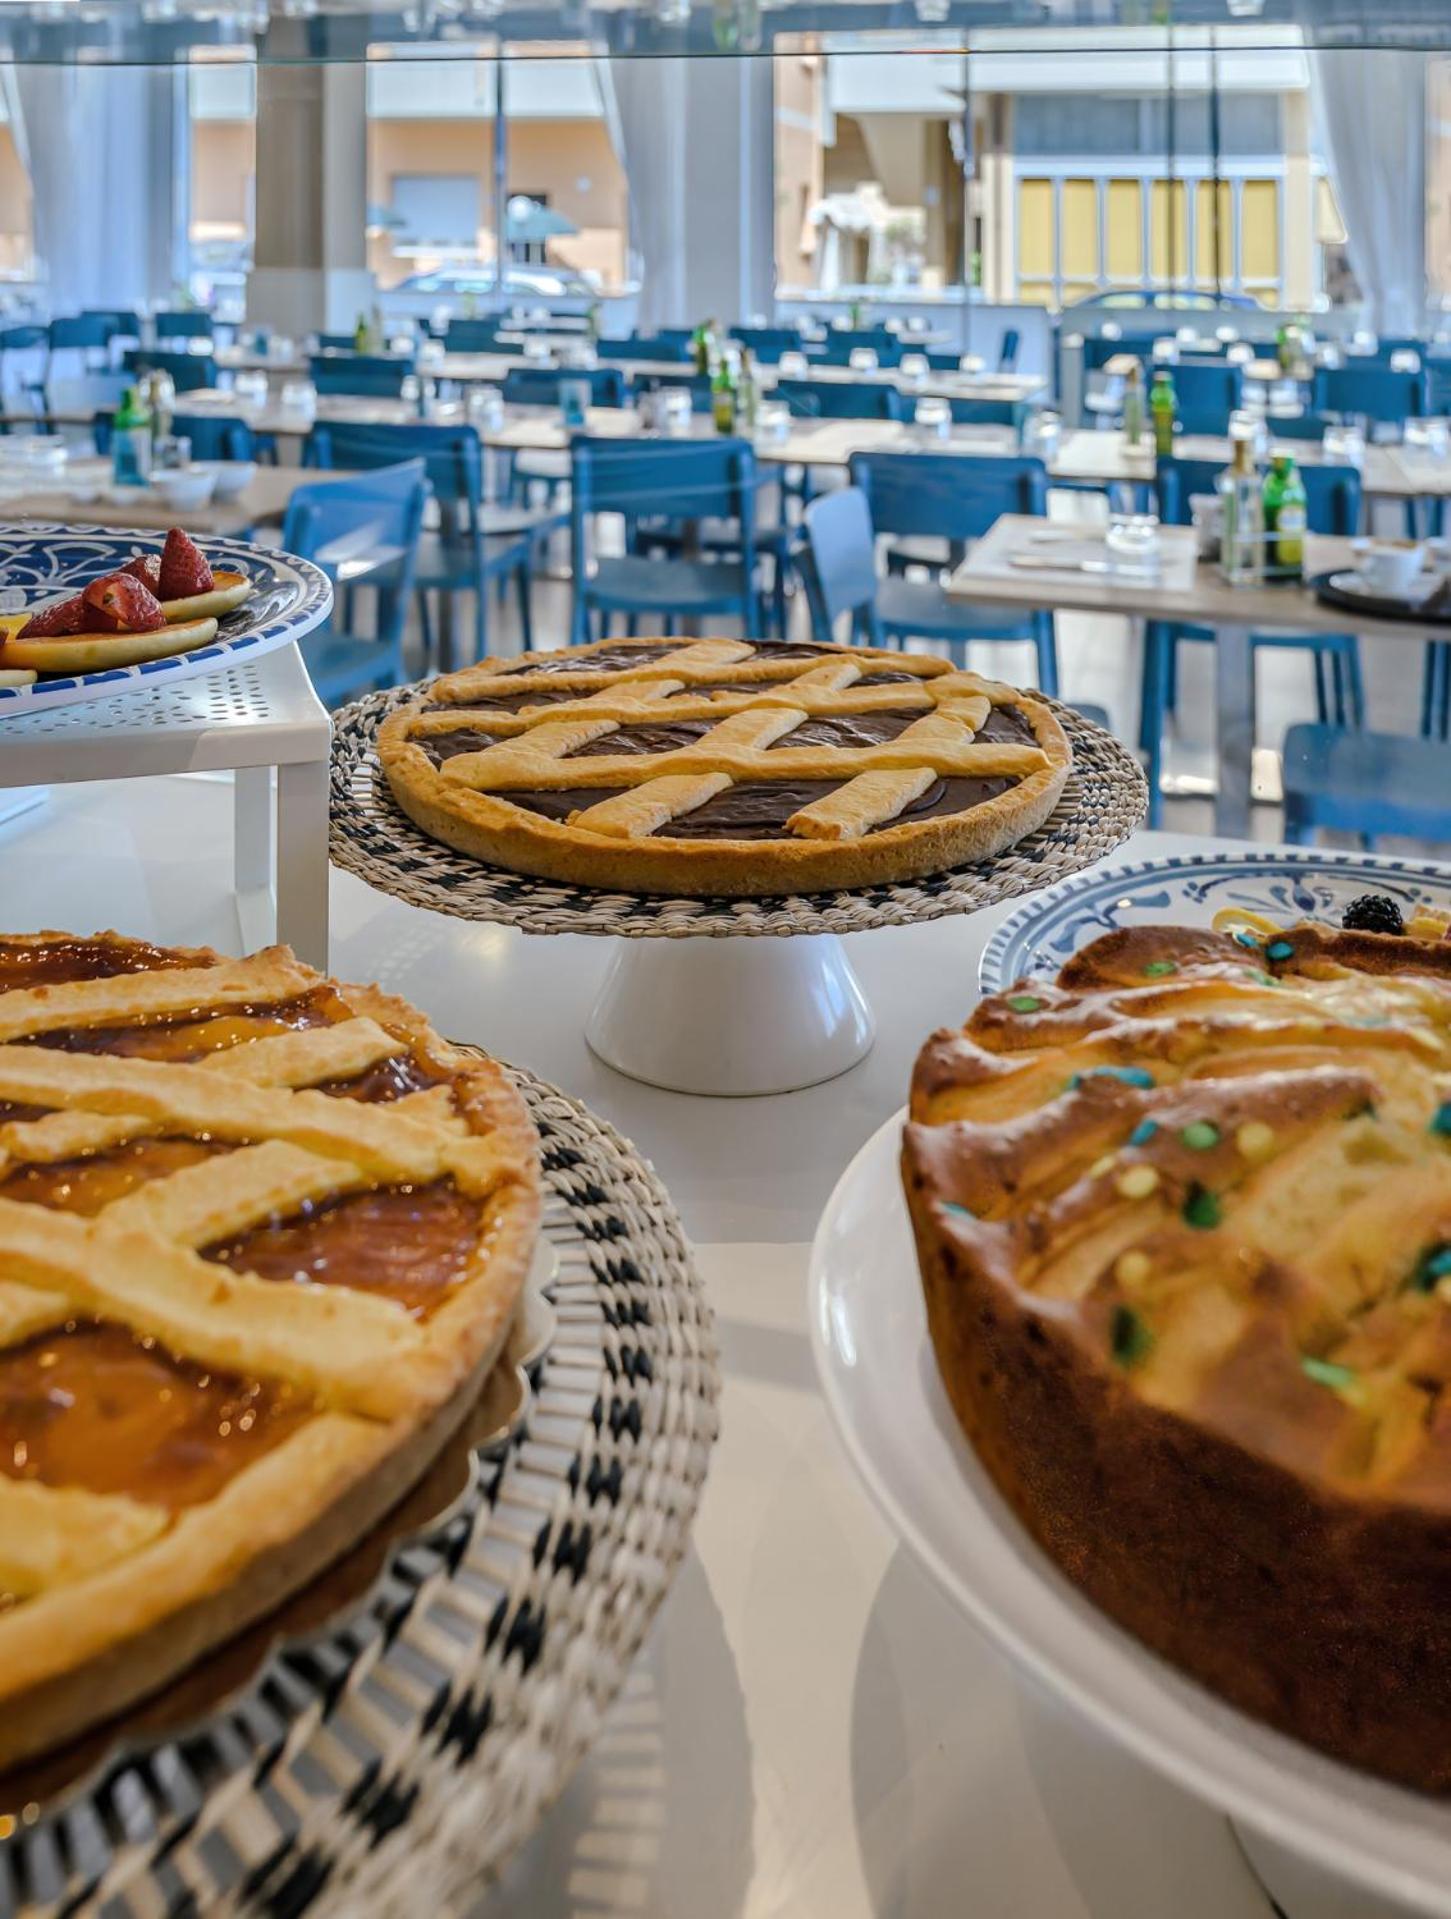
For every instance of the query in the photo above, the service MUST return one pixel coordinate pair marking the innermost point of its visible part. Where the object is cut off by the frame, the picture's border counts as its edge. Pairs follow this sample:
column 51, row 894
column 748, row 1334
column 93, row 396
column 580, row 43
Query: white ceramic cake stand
column 717, row 996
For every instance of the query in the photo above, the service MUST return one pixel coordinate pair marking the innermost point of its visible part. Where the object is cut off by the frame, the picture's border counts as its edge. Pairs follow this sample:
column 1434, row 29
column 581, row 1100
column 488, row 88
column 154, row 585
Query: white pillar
column 310, row 272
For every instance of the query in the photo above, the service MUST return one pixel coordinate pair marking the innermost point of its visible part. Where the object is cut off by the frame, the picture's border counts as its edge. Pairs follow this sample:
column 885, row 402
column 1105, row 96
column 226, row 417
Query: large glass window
column 221, row 224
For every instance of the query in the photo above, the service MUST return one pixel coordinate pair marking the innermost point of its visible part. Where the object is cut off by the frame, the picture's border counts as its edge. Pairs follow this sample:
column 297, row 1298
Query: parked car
column 1162, row 297
column 530, row 283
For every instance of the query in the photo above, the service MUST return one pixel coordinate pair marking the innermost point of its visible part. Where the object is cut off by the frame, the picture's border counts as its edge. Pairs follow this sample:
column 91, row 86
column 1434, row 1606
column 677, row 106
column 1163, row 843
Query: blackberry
column 1373, row 913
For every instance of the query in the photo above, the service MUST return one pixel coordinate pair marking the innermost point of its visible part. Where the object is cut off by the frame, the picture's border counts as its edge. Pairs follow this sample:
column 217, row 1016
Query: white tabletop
column 812, row 1732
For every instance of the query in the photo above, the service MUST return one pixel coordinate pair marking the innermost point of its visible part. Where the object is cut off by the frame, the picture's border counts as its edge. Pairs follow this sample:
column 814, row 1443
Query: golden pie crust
column 725, row 767
column 1184, row 1226
column 260, row 1236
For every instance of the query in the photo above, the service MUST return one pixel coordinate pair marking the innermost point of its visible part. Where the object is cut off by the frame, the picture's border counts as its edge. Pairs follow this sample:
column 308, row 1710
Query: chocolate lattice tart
column 1184, row 1225
column 724, row 766
column 260, row 1234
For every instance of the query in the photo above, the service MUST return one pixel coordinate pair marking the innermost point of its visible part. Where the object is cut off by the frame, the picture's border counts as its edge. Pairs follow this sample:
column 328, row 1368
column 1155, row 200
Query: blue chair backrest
column 188, row 371
column 1298, row 426
column 337, row 343
column 23, row 339
column 697, row 385
column 768, row 343
column 1332, row 493
column 944, row 362
column 80, row 331
column 634, row 347
column 1207, row 393
column 1373, row 391
column 970, row 412
column 842, row 399
column 947, row 495
column 680, row 479
column 837, row 348
column 1008, row 349
column 368, row 375
column 681, row 334
column 539, row 385
column 449, row 455
column 364, row 528
column 473, row 336
column 183, row 326
column 838, row 562
column 121, row 322
column 215, row 438
column 1098, row 351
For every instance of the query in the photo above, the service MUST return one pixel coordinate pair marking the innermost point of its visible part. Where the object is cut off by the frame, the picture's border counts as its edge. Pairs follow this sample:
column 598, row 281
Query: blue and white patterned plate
column 1284, row 884
column 292, row 597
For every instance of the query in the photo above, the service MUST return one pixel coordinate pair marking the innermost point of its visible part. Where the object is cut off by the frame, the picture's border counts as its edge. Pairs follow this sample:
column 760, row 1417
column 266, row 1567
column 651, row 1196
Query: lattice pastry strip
column 50, row 1535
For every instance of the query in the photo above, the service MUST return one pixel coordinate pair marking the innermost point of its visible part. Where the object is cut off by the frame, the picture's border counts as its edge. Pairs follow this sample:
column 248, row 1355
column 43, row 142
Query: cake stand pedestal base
column 731, row 1016
column 1302, row 1890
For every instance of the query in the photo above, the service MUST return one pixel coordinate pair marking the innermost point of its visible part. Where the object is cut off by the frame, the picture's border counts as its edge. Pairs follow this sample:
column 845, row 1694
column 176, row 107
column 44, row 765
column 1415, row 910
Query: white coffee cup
column 1391, row 568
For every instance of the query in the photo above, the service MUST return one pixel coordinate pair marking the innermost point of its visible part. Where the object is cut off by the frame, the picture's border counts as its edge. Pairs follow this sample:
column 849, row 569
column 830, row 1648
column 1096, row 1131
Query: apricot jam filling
column 413, row 1243
column 86, row 1185
column 96, row 1406
column 53, row 962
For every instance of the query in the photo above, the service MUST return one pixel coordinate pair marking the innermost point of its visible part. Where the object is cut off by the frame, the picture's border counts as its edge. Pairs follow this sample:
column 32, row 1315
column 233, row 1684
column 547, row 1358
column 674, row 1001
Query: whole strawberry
column 121, row 603
column 145, row 567
column 184, row 569
column 60, row 620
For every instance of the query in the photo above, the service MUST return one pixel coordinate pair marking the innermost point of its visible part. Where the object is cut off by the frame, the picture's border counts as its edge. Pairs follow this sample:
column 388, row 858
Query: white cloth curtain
column 644, row 103
column 1371, row 112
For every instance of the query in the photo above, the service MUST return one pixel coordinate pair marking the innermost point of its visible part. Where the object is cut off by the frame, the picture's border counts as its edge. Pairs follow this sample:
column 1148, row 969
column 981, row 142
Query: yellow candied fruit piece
column 1231, row 919
column 1138, row 1182
column 1132, row 1269
column 1255, row 1139
column 1101, row 1166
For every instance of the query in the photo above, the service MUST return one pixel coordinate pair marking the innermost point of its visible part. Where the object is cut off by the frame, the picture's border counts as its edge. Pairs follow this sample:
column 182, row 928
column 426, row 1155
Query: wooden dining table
column 1028, row 562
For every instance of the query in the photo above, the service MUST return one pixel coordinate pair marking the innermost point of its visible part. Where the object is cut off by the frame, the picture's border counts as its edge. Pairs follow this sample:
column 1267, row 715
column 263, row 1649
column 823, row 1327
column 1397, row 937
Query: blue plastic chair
column 81, row 333
column 1012, row 341
column 26, row 339
column 122, row 323
column 363, row 532
column 674, row 480
column 842, row 399
column 1206, row 393
column 1364, row 783
column 475, row 544
column 189, row 371
column 969, row 412
column 768, row 343
column 214, row 437
column 376, row 376
column 955, row 498
column 637, row 347
column 337, row 342
column 539, row 386
column 1299, row 426
column 183, row 326
column 474, row 336
column 1332, row 500
column 1370, row 392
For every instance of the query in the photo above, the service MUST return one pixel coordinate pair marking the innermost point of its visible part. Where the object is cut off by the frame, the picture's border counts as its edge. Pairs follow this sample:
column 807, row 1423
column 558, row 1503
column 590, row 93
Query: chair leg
column 632, row 626
column 1045, row 643
column 524, row 580
column 1322, row 704
column 481, row 620
column 425, row 627
column 1159, row 644
column 1337, row 686
column 1355, row 684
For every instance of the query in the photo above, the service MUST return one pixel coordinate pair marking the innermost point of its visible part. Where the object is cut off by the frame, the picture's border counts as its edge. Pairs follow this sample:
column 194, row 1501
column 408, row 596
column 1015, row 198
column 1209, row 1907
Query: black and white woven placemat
column 398, row 1756
column 1104, row 800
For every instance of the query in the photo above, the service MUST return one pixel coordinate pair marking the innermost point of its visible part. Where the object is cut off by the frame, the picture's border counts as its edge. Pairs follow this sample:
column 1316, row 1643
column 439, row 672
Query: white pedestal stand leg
column 1303, row 1890
column 731, row 1016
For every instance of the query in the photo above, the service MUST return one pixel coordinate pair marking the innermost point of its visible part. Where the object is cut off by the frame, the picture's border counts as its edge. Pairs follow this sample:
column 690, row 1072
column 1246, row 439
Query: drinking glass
column 410, row 390
column 970, row 363
column 536, row 350
column 299, row 396
column 932, row 418
column 485, row 408
column 773, row 423
column 1405, row 359
column 1041, row 433
column 914, row 369
column 1240, row 353
column 675, row 411
column 862, row 359
column 1132, row 543
column 794, row 366
column 1344, row 446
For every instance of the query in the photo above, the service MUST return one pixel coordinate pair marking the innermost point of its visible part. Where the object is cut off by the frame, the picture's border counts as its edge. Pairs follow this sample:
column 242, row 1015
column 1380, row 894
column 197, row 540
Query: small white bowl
column 186, row 488
column 232, row 477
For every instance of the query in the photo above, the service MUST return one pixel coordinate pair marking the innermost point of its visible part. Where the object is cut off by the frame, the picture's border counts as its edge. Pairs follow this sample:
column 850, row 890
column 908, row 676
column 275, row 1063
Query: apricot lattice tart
column 1184, row 1225
column 724, row 766
column 259, row 1233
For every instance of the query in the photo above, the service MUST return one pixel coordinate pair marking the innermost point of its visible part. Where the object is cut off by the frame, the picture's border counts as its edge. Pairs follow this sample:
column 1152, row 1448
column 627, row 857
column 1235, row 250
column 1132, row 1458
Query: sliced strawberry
column 121, row 603
column 184, row 569
column 60, row 620
column 145, row 567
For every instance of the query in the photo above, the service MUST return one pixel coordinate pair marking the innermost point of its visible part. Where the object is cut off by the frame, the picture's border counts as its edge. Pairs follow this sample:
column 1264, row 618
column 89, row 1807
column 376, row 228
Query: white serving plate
column 1285, row 884
column 880, row 1379
column 292, row 597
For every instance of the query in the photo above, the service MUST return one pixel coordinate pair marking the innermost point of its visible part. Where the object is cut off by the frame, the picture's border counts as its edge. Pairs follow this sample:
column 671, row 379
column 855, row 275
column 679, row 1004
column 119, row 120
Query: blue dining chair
column 374, row 376
column 183, row 326
column 214, row 437
column 954, row 498
column 363, row 532
column 1205, row 394
column 88, row 334
column 337, row 342
column 635, row 346
column 1008, row 349
column 1307, row 425
column 475, row 544
column 1364, row 783
column 1370, row 392
column 32, row 344
column 768, row 343
column 967, row 411
column 189, row 371
column 475, row 336
column 842, row 399
column 1332, row 504
column 122, row 323
column 679, row 480
column 539, row 385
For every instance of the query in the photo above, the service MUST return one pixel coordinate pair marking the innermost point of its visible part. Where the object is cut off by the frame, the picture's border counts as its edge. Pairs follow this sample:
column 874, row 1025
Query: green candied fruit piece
column 1433, row 1265
column 1201, row 1135
column 958, row 1211
column 1325, row 1372
column 1126, row 1075
column 1129, row 1337
column 1143, row 1132
column 1441, row 1120
column 1279, row 950
column 1202, row 1209
column 1248, row 941
column 1025, row 1003
column 1157, row 969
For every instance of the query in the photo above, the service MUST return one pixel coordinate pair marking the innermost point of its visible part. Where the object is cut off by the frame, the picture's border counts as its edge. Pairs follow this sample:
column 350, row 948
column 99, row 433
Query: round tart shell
column 494, row 830
column 77, row 1654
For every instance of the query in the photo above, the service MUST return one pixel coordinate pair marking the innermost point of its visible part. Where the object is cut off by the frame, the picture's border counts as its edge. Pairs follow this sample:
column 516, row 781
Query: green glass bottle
column 1163, row 406
column 700, row 349
column 131, row 441
column 1285, row 517
column 723, row 395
